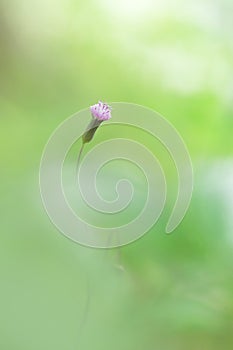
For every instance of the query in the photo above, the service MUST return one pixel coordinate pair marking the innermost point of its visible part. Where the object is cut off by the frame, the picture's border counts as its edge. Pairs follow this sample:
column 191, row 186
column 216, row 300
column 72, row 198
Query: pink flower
column 101, row 111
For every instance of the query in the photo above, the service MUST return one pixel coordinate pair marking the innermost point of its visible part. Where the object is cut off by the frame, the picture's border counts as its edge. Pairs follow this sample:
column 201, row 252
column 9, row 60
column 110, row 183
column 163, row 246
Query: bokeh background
column 173, row 56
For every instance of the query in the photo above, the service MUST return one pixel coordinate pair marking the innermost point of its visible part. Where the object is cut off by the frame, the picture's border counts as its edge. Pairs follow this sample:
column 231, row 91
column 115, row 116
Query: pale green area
column 58, row 57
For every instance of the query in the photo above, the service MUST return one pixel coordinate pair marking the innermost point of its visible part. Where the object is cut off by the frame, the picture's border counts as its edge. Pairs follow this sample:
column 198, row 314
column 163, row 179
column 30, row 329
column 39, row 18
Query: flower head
column 101, row 111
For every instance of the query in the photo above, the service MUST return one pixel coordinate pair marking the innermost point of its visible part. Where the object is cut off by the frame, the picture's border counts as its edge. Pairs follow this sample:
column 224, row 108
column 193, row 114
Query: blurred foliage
column 58, row 57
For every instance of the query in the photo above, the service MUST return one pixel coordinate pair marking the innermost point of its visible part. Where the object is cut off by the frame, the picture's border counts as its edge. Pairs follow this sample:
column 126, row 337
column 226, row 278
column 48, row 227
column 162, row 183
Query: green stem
column 78, row 161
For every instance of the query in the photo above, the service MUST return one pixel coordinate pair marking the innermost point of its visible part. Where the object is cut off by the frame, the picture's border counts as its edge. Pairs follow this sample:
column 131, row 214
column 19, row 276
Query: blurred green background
column 58, row 57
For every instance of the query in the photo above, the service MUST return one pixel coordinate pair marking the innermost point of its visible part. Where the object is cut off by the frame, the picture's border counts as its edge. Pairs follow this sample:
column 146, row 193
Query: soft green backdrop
column 58, row 57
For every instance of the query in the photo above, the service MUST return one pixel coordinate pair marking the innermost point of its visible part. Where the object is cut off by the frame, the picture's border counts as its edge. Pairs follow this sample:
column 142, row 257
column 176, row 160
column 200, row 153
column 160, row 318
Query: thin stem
column 88, row 288
column 78, row 161
column 119, row 264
